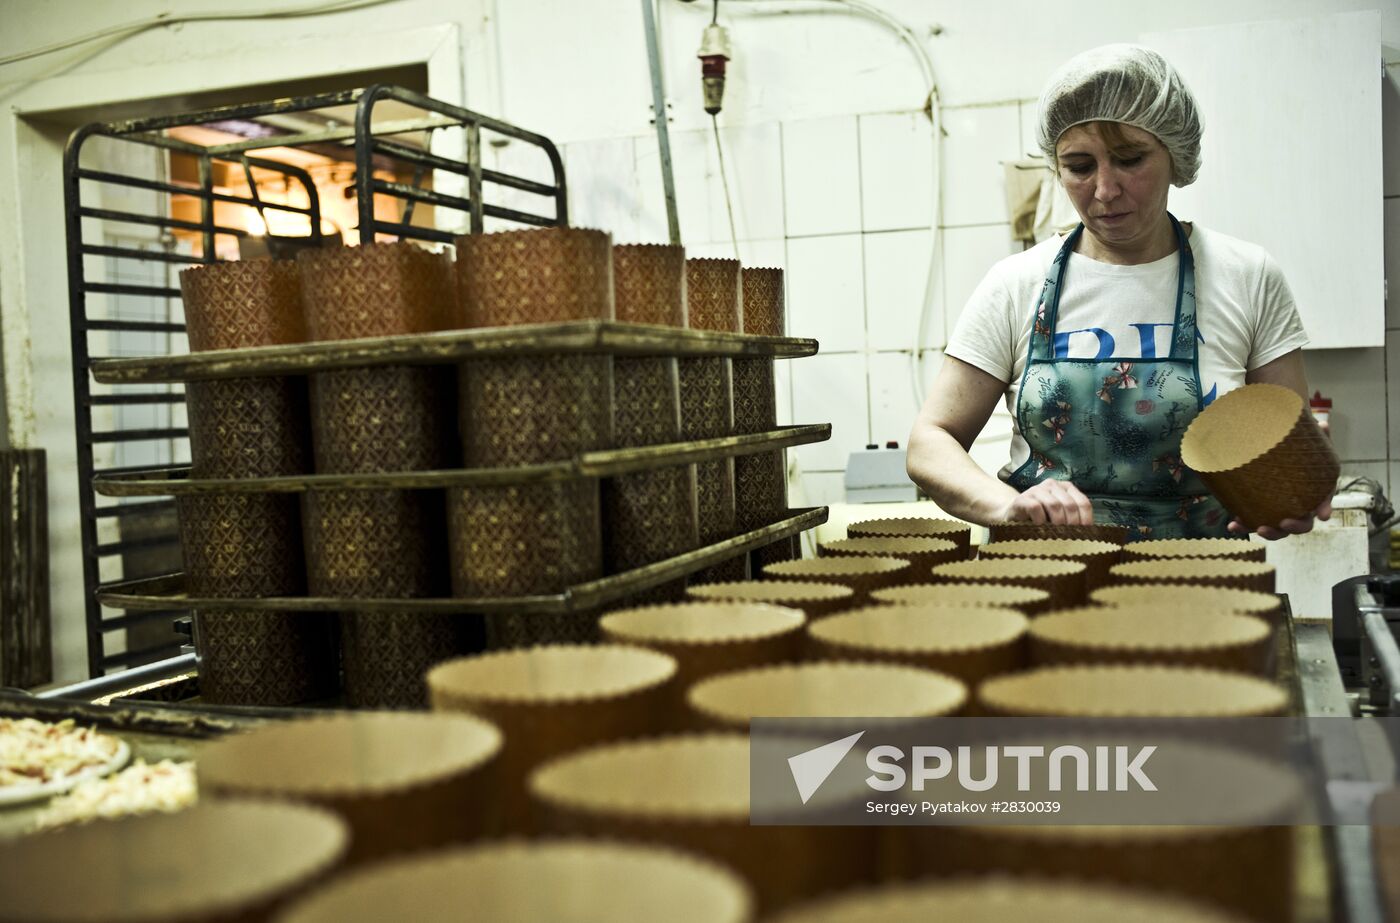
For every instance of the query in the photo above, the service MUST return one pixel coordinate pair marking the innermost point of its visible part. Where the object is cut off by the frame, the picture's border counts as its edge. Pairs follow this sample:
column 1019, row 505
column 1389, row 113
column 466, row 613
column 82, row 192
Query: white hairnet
column 1129, row 84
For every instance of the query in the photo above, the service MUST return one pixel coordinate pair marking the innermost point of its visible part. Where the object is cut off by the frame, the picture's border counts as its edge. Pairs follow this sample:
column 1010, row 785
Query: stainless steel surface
column 90, row 689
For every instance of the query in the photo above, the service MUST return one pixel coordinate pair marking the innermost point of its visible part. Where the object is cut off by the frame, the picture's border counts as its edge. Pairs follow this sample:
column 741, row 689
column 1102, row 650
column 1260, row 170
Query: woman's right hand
column 1057, row 502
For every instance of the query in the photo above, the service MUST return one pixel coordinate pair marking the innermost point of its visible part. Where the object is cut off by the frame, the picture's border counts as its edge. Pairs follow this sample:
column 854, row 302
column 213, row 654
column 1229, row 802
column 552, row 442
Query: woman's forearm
column 939, row 464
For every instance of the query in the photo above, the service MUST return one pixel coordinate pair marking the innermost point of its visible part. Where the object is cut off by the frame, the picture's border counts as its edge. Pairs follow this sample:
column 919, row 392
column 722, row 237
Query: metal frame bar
column 368, row 142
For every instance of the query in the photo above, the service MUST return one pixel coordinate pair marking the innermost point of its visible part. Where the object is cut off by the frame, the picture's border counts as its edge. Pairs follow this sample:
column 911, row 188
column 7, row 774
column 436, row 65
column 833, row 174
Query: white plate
column 23, row 794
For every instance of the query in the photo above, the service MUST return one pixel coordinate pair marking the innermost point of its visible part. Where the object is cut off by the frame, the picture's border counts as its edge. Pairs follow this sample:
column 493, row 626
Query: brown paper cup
column 1024, row 599
column 1260, row 452
column 1181, row 598
column 242, row 303
column 376, row 290
column 755, row 401
column 550, row 700
column 1153, row 634
column 1240, row 869
column 863, row 574
column 717, row 515
column 709, row 638
column 524, row 541
column 535, row 882
column 1225, row 572
column 649, row 280
column 266, row 658
column 713, row 295
column 921, row 553
column 1116, row 691
column 1097, row 557
column 248, row 427
column 1156, row 549
column 1063, row 580
column 534, row 409
column 536, row 276
column 707, row 398
column 970, row 643
column 401, row 782
column 647, row 401
column 830, row 689
column 954, row 531
column 1098, row 532
column 697, row 799
column 228, row 860
column 813, row 598
column 395, row 418
column 1003, row 900
column 763, row 301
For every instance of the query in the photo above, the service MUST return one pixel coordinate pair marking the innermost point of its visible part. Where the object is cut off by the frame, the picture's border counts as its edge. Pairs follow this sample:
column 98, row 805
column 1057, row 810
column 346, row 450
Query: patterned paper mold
column 922, row 553
column 535, row 276
column 1098, row 532
column 826, row 689
column 649, row 281
column 587, row 880
column 374, row 543
column 697, row 799
column 862, row 573
column 755, row 400
column 401, row 782
column 970, row 643
column 376, row 290
column 233, row 860
column 954, row 531
column 1097, row 557
column 760, row 489
column 1182, row 598
column 648, row 516
column 395, row 418
column 1132, row 691
column 1235, row 548
column 266, row 658
column 531, row 409
column 553, row 699
column 1151, row 633
column 763, row 301
column 1224, row 572
column 241, row 545
column 387, row 653
column 1063, row 580
column 242, row 303
column 815, row 599
column 1260, row 452
column 248, row 427
column 1027, row 600
column 714, row 295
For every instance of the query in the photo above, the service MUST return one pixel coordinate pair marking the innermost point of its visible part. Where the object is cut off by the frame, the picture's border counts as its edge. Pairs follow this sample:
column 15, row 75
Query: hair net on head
column 1129, row 84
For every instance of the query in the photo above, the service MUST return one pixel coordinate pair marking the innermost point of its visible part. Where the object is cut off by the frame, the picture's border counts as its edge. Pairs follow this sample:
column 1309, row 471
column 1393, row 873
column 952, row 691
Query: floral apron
column 1114, row 426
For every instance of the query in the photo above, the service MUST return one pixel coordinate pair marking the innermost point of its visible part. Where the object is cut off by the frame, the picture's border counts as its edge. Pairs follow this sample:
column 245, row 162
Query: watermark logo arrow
column 811, row 768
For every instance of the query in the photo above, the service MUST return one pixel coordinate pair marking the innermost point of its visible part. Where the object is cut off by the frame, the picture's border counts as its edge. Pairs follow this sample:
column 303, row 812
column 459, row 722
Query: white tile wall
column 896, row 171
column 604, row 188
column 969, row 253
column 892, row 403
column 978, row 140
column 1378, row 471
column 768, row 253
column 782, row 384
column 831, row 389
column 1349, row 377
column 1392, row 392
column 818, row 488
column 825, row 294
column 896, row 276
column 821, row 163
column 1390, row 134
column 1029, row 147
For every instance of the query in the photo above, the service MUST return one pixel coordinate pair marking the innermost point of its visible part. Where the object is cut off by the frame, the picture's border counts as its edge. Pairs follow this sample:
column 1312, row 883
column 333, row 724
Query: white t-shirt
column 1245, row 315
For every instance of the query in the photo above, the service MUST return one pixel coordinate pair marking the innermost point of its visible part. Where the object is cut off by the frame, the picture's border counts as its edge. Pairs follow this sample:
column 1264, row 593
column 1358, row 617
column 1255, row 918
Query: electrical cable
column 933, row 107
column 724, row 179
column 127, row 30
column 714, row 13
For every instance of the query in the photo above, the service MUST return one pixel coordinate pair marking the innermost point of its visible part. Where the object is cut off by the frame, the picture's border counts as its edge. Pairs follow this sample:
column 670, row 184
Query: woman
column 1107, row 343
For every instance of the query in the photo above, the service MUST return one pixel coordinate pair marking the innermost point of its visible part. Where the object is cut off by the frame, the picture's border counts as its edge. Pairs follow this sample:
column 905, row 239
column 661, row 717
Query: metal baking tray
column 560, row 339
column 168, row 592
column 175, row 481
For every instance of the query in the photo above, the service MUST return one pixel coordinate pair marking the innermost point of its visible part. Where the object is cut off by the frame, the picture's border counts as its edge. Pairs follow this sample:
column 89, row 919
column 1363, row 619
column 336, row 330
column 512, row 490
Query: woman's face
column 1120, row 193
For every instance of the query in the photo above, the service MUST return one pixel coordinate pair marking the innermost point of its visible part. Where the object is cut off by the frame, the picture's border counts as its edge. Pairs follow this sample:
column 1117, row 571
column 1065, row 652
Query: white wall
column 827, row 157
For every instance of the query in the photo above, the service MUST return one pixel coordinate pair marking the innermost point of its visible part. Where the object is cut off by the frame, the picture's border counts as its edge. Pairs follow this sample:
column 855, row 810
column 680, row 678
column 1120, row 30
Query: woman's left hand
column 1287, row 527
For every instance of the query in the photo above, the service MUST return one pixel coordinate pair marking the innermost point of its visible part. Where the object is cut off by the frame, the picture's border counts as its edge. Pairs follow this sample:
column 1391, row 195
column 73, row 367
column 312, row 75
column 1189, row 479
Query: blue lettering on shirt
column 1147, row 342
column 1060, row 348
